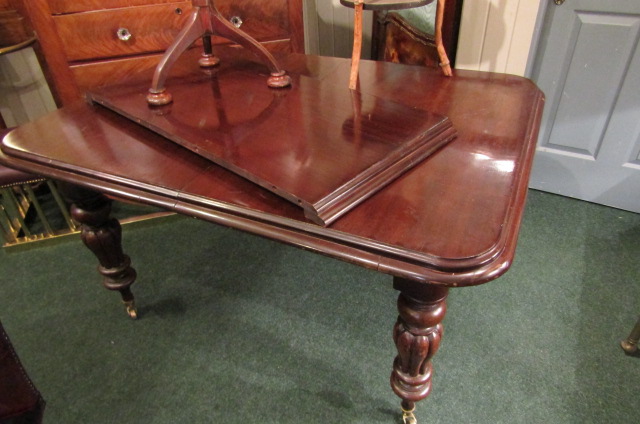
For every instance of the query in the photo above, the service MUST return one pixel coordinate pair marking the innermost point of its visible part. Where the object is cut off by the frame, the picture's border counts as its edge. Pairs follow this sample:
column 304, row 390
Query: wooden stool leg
column 442, row 53
column 204, row 21
column 417, row 335
column 357, row 44
column 222, row 27
column 158, row 96
column 208, row 59
column 103, row 236
column 630, row 344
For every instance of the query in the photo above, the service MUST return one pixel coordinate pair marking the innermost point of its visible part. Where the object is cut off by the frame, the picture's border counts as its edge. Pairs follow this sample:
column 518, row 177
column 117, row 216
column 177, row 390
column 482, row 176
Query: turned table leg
column 103, row 236
column 417, row 335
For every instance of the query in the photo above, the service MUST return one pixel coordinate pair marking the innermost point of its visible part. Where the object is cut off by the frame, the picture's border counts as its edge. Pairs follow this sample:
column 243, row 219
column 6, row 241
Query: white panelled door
column 588, row 65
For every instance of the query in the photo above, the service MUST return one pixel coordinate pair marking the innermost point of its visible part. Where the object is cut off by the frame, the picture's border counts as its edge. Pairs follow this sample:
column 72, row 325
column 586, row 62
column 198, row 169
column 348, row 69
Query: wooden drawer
column 264, row 20
column 140, row 68
column 94, row 35
column 80, row 44
column 59, row 7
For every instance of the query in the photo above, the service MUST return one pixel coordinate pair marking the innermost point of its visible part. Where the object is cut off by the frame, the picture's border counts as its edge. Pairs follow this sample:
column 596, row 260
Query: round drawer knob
column 236, row 21
column 124, row 34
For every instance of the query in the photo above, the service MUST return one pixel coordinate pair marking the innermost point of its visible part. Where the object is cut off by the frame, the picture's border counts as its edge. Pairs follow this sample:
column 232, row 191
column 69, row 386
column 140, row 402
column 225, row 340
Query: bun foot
column 159, row 98
column 279, row 80
column 208, row 61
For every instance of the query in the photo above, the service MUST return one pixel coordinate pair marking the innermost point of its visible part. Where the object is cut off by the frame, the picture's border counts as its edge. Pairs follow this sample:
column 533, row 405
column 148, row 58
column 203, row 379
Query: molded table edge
column 353, row 249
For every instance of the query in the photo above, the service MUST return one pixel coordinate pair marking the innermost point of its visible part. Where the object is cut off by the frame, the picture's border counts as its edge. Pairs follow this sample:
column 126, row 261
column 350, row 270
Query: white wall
column 24, row 94
column 496, row 35
column 329, row 29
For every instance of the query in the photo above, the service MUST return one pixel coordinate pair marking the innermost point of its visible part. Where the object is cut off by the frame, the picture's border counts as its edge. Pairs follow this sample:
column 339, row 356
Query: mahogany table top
column 453, row 219
column 352, row 144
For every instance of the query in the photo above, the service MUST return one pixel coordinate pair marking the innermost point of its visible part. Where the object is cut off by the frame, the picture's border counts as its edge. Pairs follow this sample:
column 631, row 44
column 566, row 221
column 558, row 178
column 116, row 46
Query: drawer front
column 264, row 20
column 140, row 68
column 94, row 35
column 59, row 7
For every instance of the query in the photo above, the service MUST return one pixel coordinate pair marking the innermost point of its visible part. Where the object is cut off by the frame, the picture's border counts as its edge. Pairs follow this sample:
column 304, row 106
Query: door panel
column 588, row 65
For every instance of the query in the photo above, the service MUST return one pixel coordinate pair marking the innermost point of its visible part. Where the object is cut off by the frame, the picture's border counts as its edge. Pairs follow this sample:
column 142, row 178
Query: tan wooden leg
column 357, row 44
column 445, row 65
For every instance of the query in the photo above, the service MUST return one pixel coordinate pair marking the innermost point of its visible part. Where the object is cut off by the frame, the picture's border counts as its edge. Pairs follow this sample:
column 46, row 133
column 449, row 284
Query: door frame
column 537, row 35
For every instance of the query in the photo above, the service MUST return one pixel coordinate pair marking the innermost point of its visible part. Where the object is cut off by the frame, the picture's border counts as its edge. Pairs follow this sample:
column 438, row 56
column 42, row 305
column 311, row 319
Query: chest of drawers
column 89, row 43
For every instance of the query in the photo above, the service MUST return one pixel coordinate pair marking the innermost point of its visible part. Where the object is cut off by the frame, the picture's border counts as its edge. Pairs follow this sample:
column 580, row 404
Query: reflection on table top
column 453, row 219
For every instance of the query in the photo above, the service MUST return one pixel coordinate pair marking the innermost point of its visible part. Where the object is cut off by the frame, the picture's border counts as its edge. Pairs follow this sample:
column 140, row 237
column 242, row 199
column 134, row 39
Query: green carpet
column 238, row 329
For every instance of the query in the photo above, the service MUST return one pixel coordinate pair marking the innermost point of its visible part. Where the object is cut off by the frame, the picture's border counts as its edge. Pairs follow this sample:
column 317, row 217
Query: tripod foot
column 159, row 98
column 279, row 80
column 208, row 61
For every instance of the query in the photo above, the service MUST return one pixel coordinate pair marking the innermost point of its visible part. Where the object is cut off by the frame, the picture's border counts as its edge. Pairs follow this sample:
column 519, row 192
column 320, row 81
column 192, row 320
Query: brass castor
column 132, row 311
column 408, row 417
column 629, row 346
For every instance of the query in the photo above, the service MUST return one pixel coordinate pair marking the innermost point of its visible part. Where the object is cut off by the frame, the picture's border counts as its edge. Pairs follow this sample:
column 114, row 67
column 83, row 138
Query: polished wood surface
column 80, row 48
column 94, row 74
column 321, row 146
column 452, row 220
column 59, row 7
column 417, row 336
column 102, row 235
column 205, row 22
column 87, row 36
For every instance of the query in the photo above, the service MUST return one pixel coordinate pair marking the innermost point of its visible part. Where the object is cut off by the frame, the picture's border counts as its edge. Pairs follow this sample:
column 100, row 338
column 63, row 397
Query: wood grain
column 77, row 38
column 89, row 75
column 452, row 220
column 59, row 7
column 94, row 35
column 321, row 146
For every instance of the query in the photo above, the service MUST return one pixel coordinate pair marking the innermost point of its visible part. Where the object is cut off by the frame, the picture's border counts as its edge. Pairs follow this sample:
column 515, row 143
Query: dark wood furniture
column 205, row 22
column 395, row 39
column 451, row 221
column 90, row 43
column 20, row 401
column 314, row 117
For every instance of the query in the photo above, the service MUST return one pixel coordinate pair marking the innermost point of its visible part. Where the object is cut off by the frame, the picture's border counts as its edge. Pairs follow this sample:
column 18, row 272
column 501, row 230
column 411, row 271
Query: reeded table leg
column 417, row 335
column 103, row 236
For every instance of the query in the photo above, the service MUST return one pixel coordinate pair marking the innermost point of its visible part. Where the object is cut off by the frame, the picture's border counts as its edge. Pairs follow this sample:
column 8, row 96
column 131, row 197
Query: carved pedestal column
column 417, row 335
column 103, row 236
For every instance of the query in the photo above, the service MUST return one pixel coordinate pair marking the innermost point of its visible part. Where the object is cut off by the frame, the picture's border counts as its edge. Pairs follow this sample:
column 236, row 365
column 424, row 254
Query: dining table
column 445, row 219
